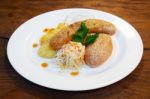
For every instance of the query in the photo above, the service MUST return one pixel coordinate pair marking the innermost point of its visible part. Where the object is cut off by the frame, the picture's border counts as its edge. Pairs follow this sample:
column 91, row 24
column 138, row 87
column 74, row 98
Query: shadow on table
column 37, row 91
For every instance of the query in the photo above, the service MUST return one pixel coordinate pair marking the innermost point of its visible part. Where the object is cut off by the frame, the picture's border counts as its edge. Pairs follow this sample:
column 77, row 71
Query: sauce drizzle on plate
column 44, row 65
column 74, row 73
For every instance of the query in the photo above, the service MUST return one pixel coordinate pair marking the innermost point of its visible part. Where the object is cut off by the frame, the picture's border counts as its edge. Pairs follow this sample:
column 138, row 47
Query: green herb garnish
column 76, row 38
column 90, row 39
column 81, row 35
column 83, row 30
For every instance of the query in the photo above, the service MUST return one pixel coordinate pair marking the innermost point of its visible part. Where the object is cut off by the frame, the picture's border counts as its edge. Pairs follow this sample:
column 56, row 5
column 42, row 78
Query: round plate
column 127, row 53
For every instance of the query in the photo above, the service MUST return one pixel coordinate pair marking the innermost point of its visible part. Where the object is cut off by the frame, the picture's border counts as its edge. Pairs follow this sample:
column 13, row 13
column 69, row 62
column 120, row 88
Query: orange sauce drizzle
column 45, row 30
column 44, row 65
column 74, row 73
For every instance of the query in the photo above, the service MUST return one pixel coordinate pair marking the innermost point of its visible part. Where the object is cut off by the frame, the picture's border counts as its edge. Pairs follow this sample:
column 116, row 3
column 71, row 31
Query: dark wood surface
column 14, row 12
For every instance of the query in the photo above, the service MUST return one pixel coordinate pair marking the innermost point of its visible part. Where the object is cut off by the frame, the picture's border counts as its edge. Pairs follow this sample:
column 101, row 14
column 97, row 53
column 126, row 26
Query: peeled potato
column 49, row 34
column 46, row 52
column 45, row 38
column 98, row 52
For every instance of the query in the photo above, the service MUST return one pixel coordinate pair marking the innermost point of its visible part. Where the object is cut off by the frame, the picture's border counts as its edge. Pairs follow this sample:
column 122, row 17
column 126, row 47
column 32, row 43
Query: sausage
column 100, row 26
column 98, row 52
column 94, row 26
column 63, row 36
column 59, row 39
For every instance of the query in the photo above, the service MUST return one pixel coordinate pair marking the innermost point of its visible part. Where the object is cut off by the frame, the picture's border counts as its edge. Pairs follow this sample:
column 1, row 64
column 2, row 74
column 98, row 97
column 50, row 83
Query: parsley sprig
column 81, row 35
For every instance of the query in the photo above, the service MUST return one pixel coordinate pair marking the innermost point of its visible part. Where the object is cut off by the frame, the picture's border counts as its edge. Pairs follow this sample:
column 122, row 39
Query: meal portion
column 93, row 25
column 83, row 42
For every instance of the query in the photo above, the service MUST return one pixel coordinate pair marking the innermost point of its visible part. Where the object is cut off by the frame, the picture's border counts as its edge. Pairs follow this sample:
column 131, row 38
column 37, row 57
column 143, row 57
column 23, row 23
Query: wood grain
column 14, row 12
column 12, row 85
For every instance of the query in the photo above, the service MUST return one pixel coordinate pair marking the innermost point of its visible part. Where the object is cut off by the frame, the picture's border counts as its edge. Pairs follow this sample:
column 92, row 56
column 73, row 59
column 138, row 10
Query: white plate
column 127, row 53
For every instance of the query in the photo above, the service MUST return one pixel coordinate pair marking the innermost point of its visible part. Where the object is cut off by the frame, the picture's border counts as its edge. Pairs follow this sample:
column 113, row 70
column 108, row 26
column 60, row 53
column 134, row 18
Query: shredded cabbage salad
column 71, row 55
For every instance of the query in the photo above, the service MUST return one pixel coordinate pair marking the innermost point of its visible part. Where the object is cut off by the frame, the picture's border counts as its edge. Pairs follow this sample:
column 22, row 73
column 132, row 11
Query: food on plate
column 82, row 35
column 98, row 52
column 60, row 39
column 71, row 55
column 93, row 25
column 83, row 42
column 45, row 50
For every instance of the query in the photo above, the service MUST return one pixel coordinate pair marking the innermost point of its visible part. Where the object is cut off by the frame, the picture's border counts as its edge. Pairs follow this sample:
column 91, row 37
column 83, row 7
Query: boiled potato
column 49, row 34
column 45, row 50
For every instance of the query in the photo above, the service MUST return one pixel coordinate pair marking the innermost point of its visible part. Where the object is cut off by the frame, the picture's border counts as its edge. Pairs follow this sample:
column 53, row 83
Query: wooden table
column 14, row 12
